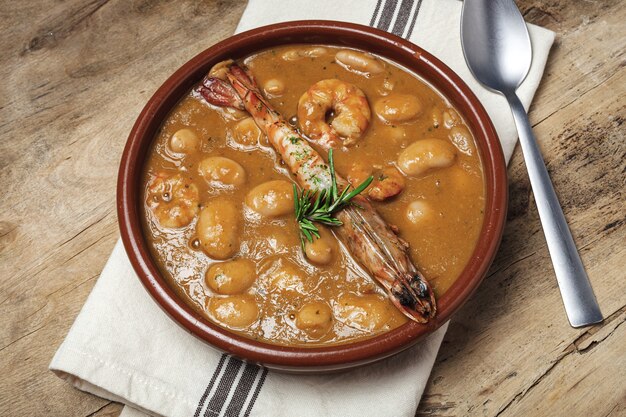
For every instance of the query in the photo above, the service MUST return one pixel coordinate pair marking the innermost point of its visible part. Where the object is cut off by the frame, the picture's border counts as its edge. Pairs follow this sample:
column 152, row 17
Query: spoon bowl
column 501, row 53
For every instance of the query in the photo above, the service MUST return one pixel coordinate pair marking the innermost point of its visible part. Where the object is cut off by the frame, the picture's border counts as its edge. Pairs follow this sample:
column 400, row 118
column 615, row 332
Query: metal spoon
column 497, row 49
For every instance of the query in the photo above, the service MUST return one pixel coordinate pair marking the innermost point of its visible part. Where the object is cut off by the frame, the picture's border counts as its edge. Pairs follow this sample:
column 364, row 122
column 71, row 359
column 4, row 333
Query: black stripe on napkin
column 417, row 11
column 403, row 16
column 259, row 385
column 407, row 12
column 242, row 391
column 223, row 388
column 386, row 16
column 210, row 386
column 375, row 15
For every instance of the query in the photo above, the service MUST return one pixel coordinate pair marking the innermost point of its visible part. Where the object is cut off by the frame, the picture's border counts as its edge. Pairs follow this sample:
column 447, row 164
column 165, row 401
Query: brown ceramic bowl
column 333, row 33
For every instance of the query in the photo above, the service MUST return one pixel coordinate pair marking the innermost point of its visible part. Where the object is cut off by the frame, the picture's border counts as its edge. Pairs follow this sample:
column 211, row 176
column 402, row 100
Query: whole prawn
column 367, row 236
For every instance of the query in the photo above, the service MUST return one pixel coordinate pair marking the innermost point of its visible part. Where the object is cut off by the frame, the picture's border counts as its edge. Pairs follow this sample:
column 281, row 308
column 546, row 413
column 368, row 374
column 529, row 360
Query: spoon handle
column 580, row 303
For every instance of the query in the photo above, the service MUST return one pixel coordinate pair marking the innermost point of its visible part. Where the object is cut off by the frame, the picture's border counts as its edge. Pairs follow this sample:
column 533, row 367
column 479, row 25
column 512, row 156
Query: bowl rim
column 398, row 50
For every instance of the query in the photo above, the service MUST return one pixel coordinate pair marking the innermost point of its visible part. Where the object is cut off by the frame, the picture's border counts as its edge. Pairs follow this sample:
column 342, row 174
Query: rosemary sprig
column 320, row 207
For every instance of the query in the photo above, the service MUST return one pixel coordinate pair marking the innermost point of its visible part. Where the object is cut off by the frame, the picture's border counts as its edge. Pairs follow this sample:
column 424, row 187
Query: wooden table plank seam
column 573, row 349
column 575, row 100
column 61, row 26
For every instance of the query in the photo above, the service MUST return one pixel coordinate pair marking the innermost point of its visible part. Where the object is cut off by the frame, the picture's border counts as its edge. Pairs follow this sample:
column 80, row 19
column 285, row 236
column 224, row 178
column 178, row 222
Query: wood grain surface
column 75, row 75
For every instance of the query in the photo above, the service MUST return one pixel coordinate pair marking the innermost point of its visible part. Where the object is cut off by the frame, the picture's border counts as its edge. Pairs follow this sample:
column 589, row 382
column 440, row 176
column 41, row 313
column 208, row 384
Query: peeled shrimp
column 367, row 236
column 348, row 105
column 389, row 183
column 173, row 199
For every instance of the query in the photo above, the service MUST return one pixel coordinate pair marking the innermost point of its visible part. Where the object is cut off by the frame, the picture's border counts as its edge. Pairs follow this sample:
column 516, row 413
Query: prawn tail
column 413, row 295
column 220, row 93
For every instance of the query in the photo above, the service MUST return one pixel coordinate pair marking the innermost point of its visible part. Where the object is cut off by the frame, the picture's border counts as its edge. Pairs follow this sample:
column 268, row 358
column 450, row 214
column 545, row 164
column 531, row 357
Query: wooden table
column 75, row 75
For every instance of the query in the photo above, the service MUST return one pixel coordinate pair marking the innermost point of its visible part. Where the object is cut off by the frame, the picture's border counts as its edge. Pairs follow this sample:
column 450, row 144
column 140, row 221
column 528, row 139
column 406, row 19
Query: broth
column 274, row 292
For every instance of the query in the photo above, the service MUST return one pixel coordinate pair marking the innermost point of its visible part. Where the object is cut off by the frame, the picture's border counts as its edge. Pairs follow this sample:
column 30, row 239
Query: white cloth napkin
column 124, row 348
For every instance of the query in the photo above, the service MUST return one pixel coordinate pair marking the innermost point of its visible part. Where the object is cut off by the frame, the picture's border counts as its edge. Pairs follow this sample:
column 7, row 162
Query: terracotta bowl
column 333, row 33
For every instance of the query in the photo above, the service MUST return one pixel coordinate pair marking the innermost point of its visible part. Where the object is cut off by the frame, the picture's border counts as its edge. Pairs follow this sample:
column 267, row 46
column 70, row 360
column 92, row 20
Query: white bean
column 232, row 277
column 426, row 154
column 451, row 118
column 184, row 141
column 218, row 228
column 365, row 312
column 419, row 211
column 359, row 62
column 222, row 172
column 462, row 139
column 274, row 87
column 304, row 52
column 272, row 198
column 398, row 108
column 386, row 87
column 246, row 132
column 238, row 311
column 291, row 55
column 323, row 249
column 281, row 275
column 314, row 51
column 315, row 318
